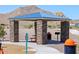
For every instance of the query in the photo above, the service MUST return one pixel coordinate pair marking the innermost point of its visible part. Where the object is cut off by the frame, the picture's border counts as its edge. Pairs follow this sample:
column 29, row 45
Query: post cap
column 70, row 42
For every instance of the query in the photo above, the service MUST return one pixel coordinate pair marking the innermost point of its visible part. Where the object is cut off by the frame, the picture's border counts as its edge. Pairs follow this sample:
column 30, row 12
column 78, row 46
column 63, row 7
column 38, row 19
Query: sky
column 71, row 11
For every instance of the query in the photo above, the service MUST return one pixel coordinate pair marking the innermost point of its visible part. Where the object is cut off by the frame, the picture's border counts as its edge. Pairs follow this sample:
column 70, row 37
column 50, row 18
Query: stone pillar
column 41, row 32
column 64, row 30
column 14, row 31
column 35, row 25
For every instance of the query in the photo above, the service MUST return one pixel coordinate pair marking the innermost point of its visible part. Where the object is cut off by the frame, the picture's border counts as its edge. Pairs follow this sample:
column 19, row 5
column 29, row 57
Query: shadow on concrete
column 49, row 42
column 54, row 42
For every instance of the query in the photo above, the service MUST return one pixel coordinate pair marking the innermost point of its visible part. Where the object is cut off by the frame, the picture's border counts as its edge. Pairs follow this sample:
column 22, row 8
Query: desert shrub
column 28, row 26
column 49, row 26
column 70, row 27
column 53, row 26
column 58, row 26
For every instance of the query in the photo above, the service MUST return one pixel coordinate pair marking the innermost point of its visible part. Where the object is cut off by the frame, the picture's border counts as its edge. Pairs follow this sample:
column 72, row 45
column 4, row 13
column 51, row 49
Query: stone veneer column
column 41, row 32
column 35, row 25
column 14, row 31
column 64, row 30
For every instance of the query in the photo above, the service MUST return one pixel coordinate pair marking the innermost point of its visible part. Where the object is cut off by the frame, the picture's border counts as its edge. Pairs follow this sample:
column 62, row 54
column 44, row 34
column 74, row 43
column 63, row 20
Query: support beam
column 41, row 32
column 64, row 30
column 14, row 31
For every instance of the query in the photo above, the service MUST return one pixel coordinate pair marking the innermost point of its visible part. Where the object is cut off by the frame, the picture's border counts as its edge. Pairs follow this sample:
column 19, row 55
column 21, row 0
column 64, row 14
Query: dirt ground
column 15, row 49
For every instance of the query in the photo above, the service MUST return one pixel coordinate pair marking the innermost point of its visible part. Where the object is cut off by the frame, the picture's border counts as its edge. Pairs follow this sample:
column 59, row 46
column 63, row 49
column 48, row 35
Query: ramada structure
column 40, row 20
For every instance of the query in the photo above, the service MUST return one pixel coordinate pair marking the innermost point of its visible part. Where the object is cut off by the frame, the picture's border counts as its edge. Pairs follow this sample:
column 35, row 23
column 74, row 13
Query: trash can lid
column 70, row 42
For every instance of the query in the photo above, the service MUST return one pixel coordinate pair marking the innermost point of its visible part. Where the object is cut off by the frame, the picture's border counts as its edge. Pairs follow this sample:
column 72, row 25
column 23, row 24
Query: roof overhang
column 39, row 16
column 35, row 19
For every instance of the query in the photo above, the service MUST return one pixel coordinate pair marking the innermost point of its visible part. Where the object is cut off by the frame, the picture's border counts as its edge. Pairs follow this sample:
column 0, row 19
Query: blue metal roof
column 39, row 15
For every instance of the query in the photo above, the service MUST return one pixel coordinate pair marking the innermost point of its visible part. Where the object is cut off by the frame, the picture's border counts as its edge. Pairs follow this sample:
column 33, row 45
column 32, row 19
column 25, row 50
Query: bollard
column 0, row 45
column 70, row 47
column 26, row 37
column 1, row 51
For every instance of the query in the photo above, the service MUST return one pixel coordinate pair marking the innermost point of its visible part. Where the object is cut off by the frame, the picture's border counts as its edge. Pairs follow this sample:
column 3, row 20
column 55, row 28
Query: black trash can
column 49, row 36
column 70, row 47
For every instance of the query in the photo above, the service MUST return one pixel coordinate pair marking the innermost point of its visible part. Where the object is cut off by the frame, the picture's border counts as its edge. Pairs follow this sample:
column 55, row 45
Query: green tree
column 2, row 32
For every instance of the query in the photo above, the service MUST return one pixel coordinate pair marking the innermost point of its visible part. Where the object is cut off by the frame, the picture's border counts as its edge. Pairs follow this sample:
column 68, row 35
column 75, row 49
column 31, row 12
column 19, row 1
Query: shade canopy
column 39, row 15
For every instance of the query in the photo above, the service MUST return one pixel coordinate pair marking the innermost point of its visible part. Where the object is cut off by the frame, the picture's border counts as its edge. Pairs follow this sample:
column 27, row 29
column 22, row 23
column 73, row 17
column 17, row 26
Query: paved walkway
column 74, row 35
column 43, row 49
column 40, row 49
column 74, row 31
